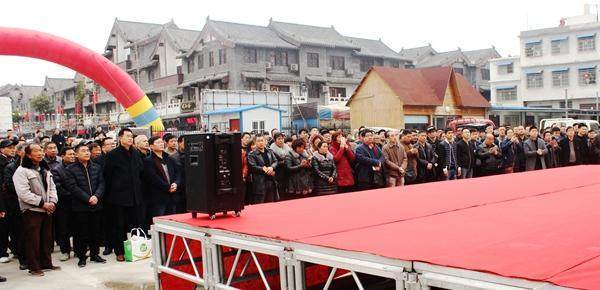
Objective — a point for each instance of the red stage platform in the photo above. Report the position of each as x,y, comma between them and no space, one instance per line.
538,226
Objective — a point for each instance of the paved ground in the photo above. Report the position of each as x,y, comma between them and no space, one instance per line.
112,275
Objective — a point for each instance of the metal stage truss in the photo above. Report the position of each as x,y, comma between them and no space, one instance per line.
206,265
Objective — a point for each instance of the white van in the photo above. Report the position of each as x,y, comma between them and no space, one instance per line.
567,122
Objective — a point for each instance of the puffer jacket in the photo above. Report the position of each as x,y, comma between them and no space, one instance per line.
324,168
84,182
34,186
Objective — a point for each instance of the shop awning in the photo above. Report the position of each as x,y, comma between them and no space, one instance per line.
533,41
254,75
533,71
316,78
504,62
336,111
505,87
588,35
557,69
560,38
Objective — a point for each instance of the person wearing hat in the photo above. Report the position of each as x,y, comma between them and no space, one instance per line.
434,139
7,153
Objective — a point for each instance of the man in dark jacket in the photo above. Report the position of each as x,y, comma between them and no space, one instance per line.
85,181
14,216
434,139
448,160
490,155
369,163
583,146
63,218
161,179
51,155
58,139
7,154
122,174
569,149
508,148
263,164
465,155
426,159
179,158
107,144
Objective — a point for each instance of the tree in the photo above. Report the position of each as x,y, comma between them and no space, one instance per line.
17,116
80,92
41,104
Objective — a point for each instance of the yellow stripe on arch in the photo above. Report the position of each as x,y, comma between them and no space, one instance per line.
139,107
157,125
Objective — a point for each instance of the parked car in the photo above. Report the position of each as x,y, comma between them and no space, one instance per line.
568,122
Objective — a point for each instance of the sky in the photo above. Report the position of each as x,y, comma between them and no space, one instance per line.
447,25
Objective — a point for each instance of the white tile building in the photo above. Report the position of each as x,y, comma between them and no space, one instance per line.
556,64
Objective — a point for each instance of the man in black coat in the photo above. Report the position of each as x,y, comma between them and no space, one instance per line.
85,181
179,158
465,155
7,154
122,174
426,160
570,149
14,216
63,218
161,179
262,164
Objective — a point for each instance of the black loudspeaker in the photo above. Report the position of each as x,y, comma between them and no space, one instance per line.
213,168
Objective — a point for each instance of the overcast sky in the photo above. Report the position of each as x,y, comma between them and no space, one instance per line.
445,24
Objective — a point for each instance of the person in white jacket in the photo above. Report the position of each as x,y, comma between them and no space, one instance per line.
37,199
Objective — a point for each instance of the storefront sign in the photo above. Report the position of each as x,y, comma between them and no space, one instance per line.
188,107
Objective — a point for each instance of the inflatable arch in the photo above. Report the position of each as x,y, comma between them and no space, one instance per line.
34,44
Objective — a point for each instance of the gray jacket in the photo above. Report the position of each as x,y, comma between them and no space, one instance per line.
531,153
30,188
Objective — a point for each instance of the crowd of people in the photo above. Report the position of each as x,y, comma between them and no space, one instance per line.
319,162
84,193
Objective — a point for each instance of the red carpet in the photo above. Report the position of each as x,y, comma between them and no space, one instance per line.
540,226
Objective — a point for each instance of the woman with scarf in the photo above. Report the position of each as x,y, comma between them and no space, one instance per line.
325,173
344,157
281,151
299,169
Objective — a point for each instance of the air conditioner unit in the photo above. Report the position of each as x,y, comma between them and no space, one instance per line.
325,89
294,67
349,72
329,70
268,65
264,87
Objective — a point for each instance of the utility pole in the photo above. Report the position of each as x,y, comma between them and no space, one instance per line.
566,103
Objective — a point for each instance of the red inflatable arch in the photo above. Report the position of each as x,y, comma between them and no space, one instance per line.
34,44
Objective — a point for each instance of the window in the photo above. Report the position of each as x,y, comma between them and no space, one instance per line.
560,46
337,62
222,56
366,64
561,104
279,58
258,126
211,58
280,88
587,43
535,80
337,93
250,55
200,60
560,78
458,70
506,94
533,49
512,120
253,84
505,69
312,59
485,74
190,65
152,74
587,76
395,63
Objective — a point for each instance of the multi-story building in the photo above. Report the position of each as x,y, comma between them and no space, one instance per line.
21,96
315,63
472,64
554,76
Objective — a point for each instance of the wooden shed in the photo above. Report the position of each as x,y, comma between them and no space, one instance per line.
413,98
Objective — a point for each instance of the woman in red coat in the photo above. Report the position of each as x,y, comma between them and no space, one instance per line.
343,157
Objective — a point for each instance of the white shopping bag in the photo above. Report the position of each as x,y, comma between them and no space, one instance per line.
138,246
